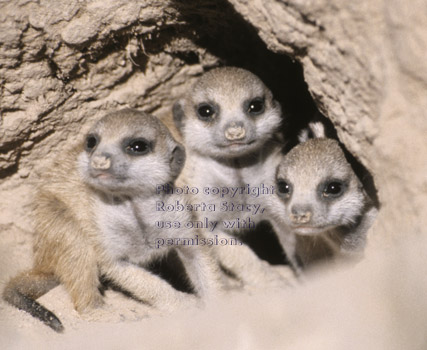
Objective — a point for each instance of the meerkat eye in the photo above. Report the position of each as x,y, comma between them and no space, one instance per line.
205,111
333,189
256,106
137,147
283,188
91,142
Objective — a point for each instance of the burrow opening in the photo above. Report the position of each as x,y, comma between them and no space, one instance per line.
224,33
215,27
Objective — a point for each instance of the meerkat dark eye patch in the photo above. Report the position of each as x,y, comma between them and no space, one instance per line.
256,106
205,111
333,189
137,147
91,142
283,188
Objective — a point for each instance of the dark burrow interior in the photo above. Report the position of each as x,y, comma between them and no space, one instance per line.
220,30
216,27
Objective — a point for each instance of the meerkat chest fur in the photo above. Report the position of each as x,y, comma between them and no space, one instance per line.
124,232
129,227
234,189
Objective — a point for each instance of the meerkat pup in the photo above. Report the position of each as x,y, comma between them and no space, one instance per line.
229,122
95,217
321,202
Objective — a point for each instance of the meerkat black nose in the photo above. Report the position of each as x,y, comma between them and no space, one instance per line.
301,213
235,131
101,161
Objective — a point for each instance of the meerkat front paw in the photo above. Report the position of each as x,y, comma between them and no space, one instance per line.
287,274
272,278
178,301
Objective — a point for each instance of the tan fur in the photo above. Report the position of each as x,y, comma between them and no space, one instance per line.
65,244
72,248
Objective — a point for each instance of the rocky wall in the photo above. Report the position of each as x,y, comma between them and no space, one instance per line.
362,64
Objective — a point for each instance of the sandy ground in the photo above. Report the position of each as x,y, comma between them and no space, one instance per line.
378,304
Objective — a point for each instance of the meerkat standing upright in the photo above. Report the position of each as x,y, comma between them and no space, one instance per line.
96,217
229,122
320,201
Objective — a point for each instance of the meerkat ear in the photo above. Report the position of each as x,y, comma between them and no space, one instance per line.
178,114
278,107
276,104
314,130
177,160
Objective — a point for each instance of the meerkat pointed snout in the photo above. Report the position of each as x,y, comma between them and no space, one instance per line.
228,113
301,214
101,162
235,131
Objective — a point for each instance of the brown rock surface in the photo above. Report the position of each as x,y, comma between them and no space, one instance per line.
364,64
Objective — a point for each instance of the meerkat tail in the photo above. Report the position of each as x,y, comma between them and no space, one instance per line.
23,290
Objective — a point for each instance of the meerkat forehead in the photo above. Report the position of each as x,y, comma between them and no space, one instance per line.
314,159
130,123
229,85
